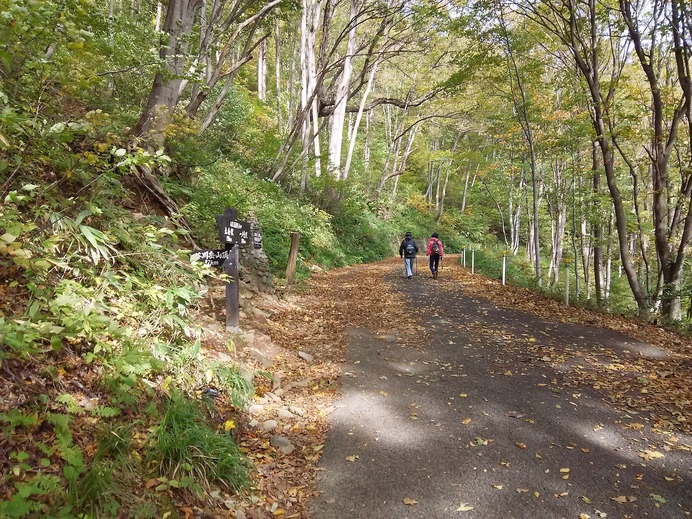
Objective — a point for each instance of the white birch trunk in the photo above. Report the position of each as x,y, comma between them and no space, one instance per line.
262,71
157,23
361,107
336,135
366,152
277,66
313,23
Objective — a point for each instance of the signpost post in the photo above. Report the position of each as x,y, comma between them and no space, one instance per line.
230,267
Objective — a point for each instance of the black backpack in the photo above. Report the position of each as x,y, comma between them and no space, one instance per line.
409,247
435,248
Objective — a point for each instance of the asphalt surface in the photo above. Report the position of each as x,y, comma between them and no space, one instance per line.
459,417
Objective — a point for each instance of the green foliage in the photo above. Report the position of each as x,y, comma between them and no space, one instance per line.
193,453
231,378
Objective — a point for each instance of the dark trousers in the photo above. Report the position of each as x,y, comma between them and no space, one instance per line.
434,263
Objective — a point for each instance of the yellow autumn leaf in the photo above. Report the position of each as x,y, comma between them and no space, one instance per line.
463,395
351,458
464,507
498,487
466,421
564,470
650,455
409,501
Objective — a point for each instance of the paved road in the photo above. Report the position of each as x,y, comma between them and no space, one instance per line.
462,413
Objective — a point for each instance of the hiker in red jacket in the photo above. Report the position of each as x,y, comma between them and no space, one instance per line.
435,252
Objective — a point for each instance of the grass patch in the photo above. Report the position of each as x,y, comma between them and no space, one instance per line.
192,454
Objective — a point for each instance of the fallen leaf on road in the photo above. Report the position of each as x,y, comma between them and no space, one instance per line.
584,449
515,414
565,470
498,487
466,421
522,490
658,499
521,445
584,516
650,455
463,395
351,458
586,500
464,507
624,499
408,501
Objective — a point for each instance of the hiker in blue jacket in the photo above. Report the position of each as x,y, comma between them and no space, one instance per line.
407,250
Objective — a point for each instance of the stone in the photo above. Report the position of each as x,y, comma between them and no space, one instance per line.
269,425
296,410
272,396
260,357
279,392
255,410
239,514
306,356
253,423
279,441
285,414
276,382
287,450
283,444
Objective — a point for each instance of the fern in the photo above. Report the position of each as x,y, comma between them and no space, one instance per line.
15,418
105,411
71,402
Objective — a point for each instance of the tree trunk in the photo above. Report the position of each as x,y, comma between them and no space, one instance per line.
338,115
163,98
277,66
352,143
524,121
597,229
444,192
262,71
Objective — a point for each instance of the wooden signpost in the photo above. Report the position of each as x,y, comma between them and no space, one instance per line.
234,234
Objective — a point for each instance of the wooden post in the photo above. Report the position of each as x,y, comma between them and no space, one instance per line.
230,267
292,257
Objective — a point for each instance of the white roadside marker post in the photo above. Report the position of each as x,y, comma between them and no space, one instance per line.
504,265
473,260
567,281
